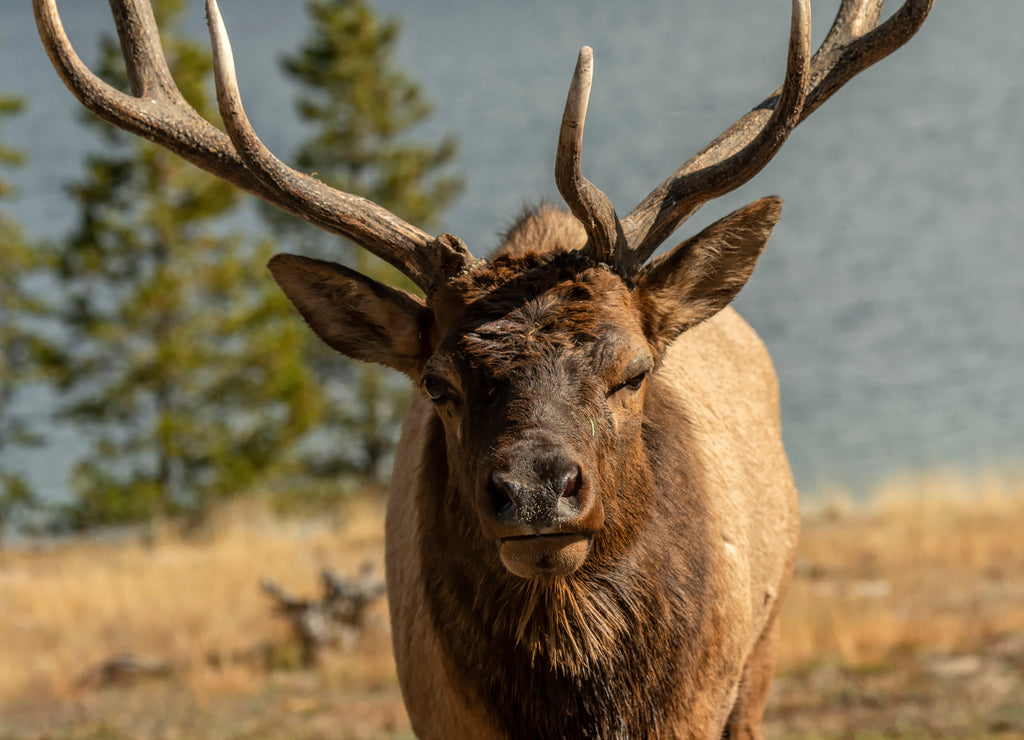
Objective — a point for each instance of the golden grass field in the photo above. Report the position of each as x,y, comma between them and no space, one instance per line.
905,620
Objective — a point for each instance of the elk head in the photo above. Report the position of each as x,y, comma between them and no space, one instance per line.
538,361
537,365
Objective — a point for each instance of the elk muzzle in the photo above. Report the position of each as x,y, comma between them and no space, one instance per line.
541,508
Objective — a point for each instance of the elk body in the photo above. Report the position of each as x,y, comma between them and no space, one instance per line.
592,522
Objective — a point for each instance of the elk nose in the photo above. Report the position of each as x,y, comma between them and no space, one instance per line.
539,493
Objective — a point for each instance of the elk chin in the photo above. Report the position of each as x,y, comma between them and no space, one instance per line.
544,555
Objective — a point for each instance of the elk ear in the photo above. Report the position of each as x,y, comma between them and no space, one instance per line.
699,278
353,314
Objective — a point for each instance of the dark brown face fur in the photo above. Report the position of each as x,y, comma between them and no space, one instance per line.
539,381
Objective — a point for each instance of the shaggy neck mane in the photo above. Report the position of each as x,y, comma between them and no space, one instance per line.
572,623
588,655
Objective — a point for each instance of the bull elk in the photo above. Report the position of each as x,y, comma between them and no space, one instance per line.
592,521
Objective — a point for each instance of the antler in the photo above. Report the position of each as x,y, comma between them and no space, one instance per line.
588,204
854,43
157,111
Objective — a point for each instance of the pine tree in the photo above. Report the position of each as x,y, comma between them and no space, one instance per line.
361,108
19,342
182,363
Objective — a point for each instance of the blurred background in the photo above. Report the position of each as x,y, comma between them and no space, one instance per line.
890,296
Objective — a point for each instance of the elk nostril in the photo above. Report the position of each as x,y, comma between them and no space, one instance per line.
572,485
501,500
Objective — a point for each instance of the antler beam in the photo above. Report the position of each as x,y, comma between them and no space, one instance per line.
157,111
854,43
731,159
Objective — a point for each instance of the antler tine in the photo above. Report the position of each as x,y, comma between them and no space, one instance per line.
853,18
853,44
427,261
144,56
730,160
586,202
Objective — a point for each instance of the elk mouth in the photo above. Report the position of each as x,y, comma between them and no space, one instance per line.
554,554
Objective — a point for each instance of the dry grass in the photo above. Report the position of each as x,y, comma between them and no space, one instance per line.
906,614
931,561
922,583
193,602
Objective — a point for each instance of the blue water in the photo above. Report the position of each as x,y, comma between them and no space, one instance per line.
892,295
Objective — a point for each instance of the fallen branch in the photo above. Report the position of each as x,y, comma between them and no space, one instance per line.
337,618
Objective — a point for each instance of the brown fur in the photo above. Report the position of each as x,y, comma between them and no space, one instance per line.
540,360
544,229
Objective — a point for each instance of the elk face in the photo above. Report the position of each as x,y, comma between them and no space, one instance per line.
538,366
539,382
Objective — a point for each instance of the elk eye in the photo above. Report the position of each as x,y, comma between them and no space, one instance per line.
633,383
437,389
636,380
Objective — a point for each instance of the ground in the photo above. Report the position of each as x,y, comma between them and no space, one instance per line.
905,620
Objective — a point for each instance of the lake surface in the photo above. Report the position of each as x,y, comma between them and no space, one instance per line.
892,294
